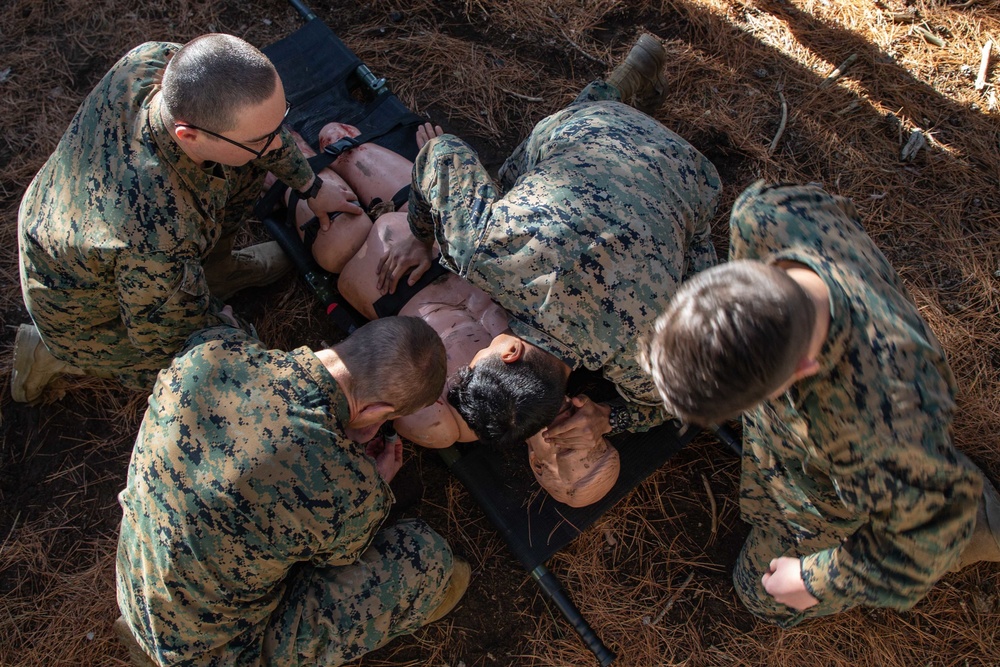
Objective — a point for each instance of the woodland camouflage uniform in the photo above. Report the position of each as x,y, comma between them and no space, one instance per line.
852,469
114,228
600,213
251,529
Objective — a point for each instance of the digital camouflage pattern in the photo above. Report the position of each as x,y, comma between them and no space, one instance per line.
852,469
251,525
599,215
114,228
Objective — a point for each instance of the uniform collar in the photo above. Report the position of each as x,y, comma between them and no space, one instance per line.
202,180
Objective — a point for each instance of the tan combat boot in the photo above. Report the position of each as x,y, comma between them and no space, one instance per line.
640,78
985,542
461,574
136,655
34,366
258,265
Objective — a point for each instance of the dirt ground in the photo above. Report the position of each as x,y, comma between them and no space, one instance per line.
750,90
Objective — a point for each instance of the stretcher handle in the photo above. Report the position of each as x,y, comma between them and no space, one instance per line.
303,10
550,586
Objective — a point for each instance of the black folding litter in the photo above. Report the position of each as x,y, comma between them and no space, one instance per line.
325,81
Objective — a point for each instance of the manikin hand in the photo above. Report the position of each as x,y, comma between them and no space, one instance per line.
783,581
388,454
401,255
583,429
333,197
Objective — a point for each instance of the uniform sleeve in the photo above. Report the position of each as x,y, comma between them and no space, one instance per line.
638,406
288,163
701,252
450,199
162,300
922,512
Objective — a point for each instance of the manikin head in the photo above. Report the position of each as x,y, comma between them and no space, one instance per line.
731,337
223,100
510,391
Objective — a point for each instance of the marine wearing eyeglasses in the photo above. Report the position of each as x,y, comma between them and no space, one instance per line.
126,234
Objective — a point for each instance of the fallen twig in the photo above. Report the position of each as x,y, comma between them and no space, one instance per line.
984,65
770,150
838,72
929,36
522,97
572,43
903,17
711,502
673,598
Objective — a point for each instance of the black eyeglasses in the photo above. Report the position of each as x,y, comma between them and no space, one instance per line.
268,140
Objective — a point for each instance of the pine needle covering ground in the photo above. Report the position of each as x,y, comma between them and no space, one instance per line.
750,88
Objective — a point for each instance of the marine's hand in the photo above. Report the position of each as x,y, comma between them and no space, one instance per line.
426,132
227,314
332,197
583,429
401,255
388,454
783,581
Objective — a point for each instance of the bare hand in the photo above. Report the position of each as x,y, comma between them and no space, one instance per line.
584,428
333,196
783,581
388,454
227,314
426,132
401,255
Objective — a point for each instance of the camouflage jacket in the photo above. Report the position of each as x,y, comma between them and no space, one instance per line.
114,227
240,471
609,213
863,448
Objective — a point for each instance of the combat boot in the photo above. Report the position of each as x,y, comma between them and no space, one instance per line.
640,78
985,542
136,655
461,574
34,366
258,265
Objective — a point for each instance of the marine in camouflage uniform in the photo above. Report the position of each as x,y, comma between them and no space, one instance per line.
251,529
600,213
115,227
851,469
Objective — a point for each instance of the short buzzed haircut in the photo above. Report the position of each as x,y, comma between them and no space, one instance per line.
400,361
213,77
729,338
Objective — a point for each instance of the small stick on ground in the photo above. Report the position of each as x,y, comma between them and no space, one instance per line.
522,97
574,44
984,65
711,503
839,72
770,150
929,36
673,598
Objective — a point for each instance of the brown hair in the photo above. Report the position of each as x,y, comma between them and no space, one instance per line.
396,360
213,77
729,338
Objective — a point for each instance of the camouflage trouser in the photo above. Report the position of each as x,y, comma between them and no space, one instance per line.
774,535
514,166
331,615
92,336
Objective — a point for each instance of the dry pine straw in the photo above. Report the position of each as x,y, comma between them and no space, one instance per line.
473,64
